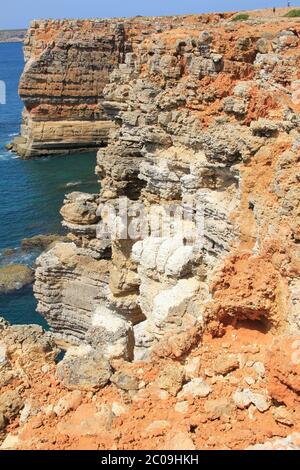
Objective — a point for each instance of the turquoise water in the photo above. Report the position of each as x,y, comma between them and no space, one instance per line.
31,192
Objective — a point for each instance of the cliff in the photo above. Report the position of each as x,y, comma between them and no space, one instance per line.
68,64
180,285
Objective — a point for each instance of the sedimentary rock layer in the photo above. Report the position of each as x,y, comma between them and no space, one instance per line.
185,330
205,118
68,64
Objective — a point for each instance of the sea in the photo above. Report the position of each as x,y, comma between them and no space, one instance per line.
31,191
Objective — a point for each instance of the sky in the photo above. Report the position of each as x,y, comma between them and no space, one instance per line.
18,13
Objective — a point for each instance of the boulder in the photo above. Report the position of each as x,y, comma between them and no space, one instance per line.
171,378
14,277
41,241
10,404
111,334
125,381
84,369
197,388
80,208
225,364
218,408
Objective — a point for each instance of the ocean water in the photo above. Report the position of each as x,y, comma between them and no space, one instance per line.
31,192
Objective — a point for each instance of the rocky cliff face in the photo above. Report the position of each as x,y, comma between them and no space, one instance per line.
68,64
203,117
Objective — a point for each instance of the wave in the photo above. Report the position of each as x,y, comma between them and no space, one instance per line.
19,257
71,184
13,134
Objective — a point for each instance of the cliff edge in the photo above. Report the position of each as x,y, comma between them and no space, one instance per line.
179,292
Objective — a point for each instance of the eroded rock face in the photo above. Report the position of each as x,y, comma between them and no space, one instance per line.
85,402
67,65
205,120
69,285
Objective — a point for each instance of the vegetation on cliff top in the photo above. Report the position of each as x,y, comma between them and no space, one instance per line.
293,13
241,17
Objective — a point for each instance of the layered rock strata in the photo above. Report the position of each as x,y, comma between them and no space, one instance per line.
235,392
180,283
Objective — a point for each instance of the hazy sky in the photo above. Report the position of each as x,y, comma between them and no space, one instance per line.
18,13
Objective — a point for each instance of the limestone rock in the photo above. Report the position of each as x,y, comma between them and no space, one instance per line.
10,404
241,399
29,344
80,208
71,401
111,334
197,388
69,286
41,241
10,442
283,416
191,368
14,277
88,420
188,115
244,398
291,442
259,369
181,407
84,369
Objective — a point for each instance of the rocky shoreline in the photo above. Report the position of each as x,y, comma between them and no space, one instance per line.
184,339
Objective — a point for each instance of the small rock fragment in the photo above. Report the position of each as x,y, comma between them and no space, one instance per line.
125,381
70,401
192,367
182,407
84,369
171,378
218,408
241,399
283,416
197,388
226,363
259,369
180,441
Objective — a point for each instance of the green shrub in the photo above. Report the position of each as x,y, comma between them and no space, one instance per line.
241,17
292,14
